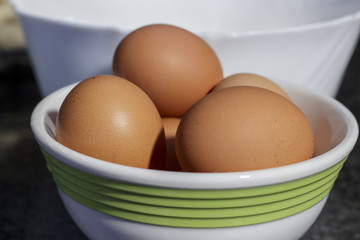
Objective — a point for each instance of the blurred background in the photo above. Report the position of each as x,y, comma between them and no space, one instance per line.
30,207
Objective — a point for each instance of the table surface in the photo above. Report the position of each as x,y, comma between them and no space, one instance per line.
30,207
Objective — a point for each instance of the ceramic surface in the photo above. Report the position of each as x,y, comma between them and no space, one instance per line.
98,226
335,130
334,126
308,42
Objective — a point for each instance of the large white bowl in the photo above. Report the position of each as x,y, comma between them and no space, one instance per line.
308,42
335,130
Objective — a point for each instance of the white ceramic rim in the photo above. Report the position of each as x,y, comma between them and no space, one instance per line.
195,180
305,27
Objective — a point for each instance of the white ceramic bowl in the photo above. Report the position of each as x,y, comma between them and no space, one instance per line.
335,130
308,42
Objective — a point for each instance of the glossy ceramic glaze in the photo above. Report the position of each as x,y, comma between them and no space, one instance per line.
109,227
334,126
306,42
132,203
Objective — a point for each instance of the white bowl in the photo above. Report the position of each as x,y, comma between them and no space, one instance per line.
335,130
308,42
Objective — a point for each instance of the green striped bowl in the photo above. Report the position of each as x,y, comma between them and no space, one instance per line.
166,202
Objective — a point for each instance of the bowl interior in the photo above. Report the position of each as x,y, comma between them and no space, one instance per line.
230,16
335,130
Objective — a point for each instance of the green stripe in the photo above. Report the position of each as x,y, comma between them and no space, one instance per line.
192,207
122,196
191,222
192,193
191,212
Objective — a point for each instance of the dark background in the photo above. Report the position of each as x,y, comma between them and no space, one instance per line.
30,207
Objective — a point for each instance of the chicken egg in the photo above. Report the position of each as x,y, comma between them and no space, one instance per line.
250,79
170,127
240,129
110,118
172,65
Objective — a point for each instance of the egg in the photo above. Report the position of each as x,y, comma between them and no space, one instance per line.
250,79
240,129
173,66
110,118
170,127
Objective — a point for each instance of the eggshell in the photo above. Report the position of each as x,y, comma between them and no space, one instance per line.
172,65
250,79
170,127
240,129
112,119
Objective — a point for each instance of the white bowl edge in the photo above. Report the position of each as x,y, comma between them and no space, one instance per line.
185,179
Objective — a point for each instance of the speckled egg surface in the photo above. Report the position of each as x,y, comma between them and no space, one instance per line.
240,129
112,119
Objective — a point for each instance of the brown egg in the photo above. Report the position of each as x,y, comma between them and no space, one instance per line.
170,127
110,118
240,129
172,65
250,79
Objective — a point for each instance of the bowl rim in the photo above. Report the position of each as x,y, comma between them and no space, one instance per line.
21,11
188,180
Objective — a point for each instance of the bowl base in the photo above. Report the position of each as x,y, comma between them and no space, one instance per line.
96,225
